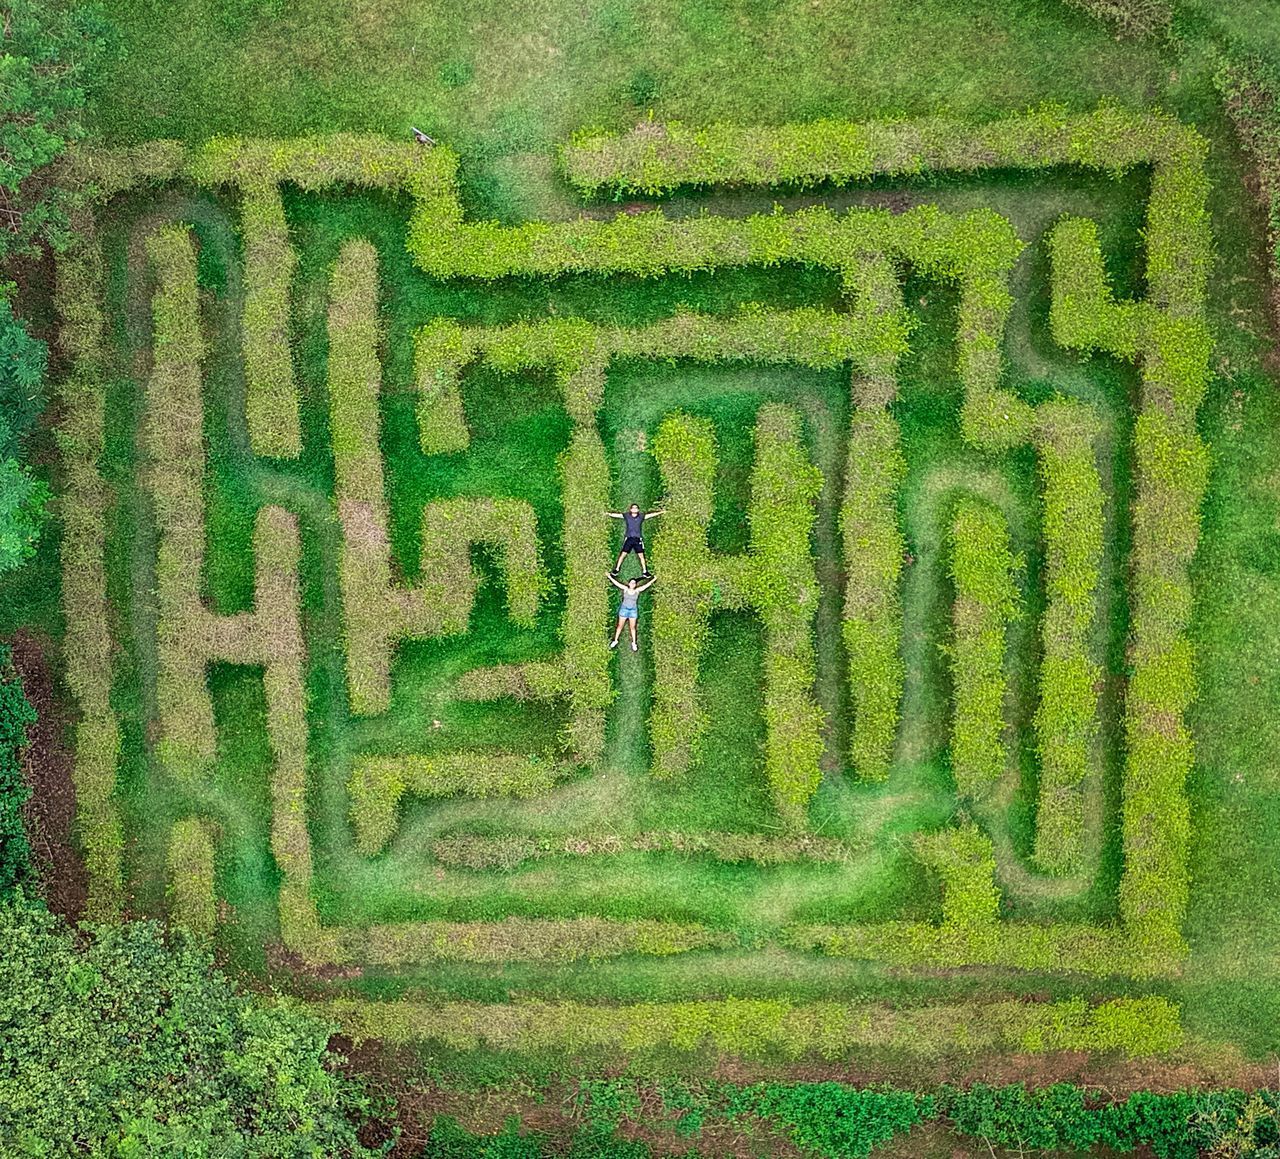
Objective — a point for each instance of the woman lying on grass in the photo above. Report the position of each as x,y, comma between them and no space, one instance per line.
628,610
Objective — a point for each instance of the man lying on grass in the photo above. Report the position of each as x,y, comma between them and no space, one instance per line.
634,518
628,610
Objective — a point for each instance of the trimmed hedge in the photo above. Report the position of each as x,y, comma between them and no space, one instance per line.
872,623
16,716
534,940
440,351
986,600
377,613
769,1027
658,158
378,783
1169,338
685,450
271,395
87,643
965,860
475,851
442,603
1065,717
776,577
1251,93
192,901
173,442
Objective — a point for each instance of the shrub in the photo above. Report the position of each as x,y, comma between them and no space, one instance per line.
53,50
775,577
87,643
831,1119
474,851
1250,92
769,1027
440,351
192,901
134,1045
986,600
1065,716
443,601
173,441
873,550
535,940
23,361
1171,469
378,783
16,716
271,396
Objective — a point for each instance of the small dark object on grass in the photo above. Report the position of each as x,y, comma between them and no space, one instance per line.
421,137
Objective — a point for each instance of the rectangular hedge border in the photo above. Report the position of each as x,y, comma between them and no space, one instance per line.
769,1027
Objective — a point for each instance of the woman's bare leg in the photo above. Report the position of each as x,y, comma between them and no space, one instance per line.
618,630
632,623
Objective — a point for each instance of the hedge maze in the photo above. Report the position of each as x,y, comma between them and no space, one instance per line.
401,598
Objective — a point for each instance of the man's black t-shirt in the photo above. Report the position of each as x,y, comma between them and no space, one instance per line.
635,523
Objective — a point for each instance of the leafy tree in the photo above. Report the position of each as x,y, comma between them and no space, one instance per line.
133,1046
16,714
52,48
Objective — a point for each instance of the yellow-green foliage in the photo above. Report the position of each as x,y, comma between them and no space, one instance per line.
271,398
873,550
985,602
173,440
377,613
440,351
378,783
443,602
87,644
771,1027
657,158
782,585
474,851
315,163
534,940
1063,947
775,577
966,862
1168,337
355,377
1065,716
192,902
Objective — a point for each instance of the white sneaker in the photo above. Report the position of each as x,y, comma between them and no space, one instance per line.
613,643
634,646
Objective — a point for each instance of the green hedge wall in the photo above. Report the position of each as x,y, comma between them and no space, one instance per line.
986,600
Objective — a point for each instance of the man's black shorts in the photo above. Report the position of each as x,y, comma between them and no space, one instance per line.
632,543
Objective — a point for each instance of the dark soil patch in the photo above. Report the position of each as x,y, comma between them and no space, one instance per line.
47,765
